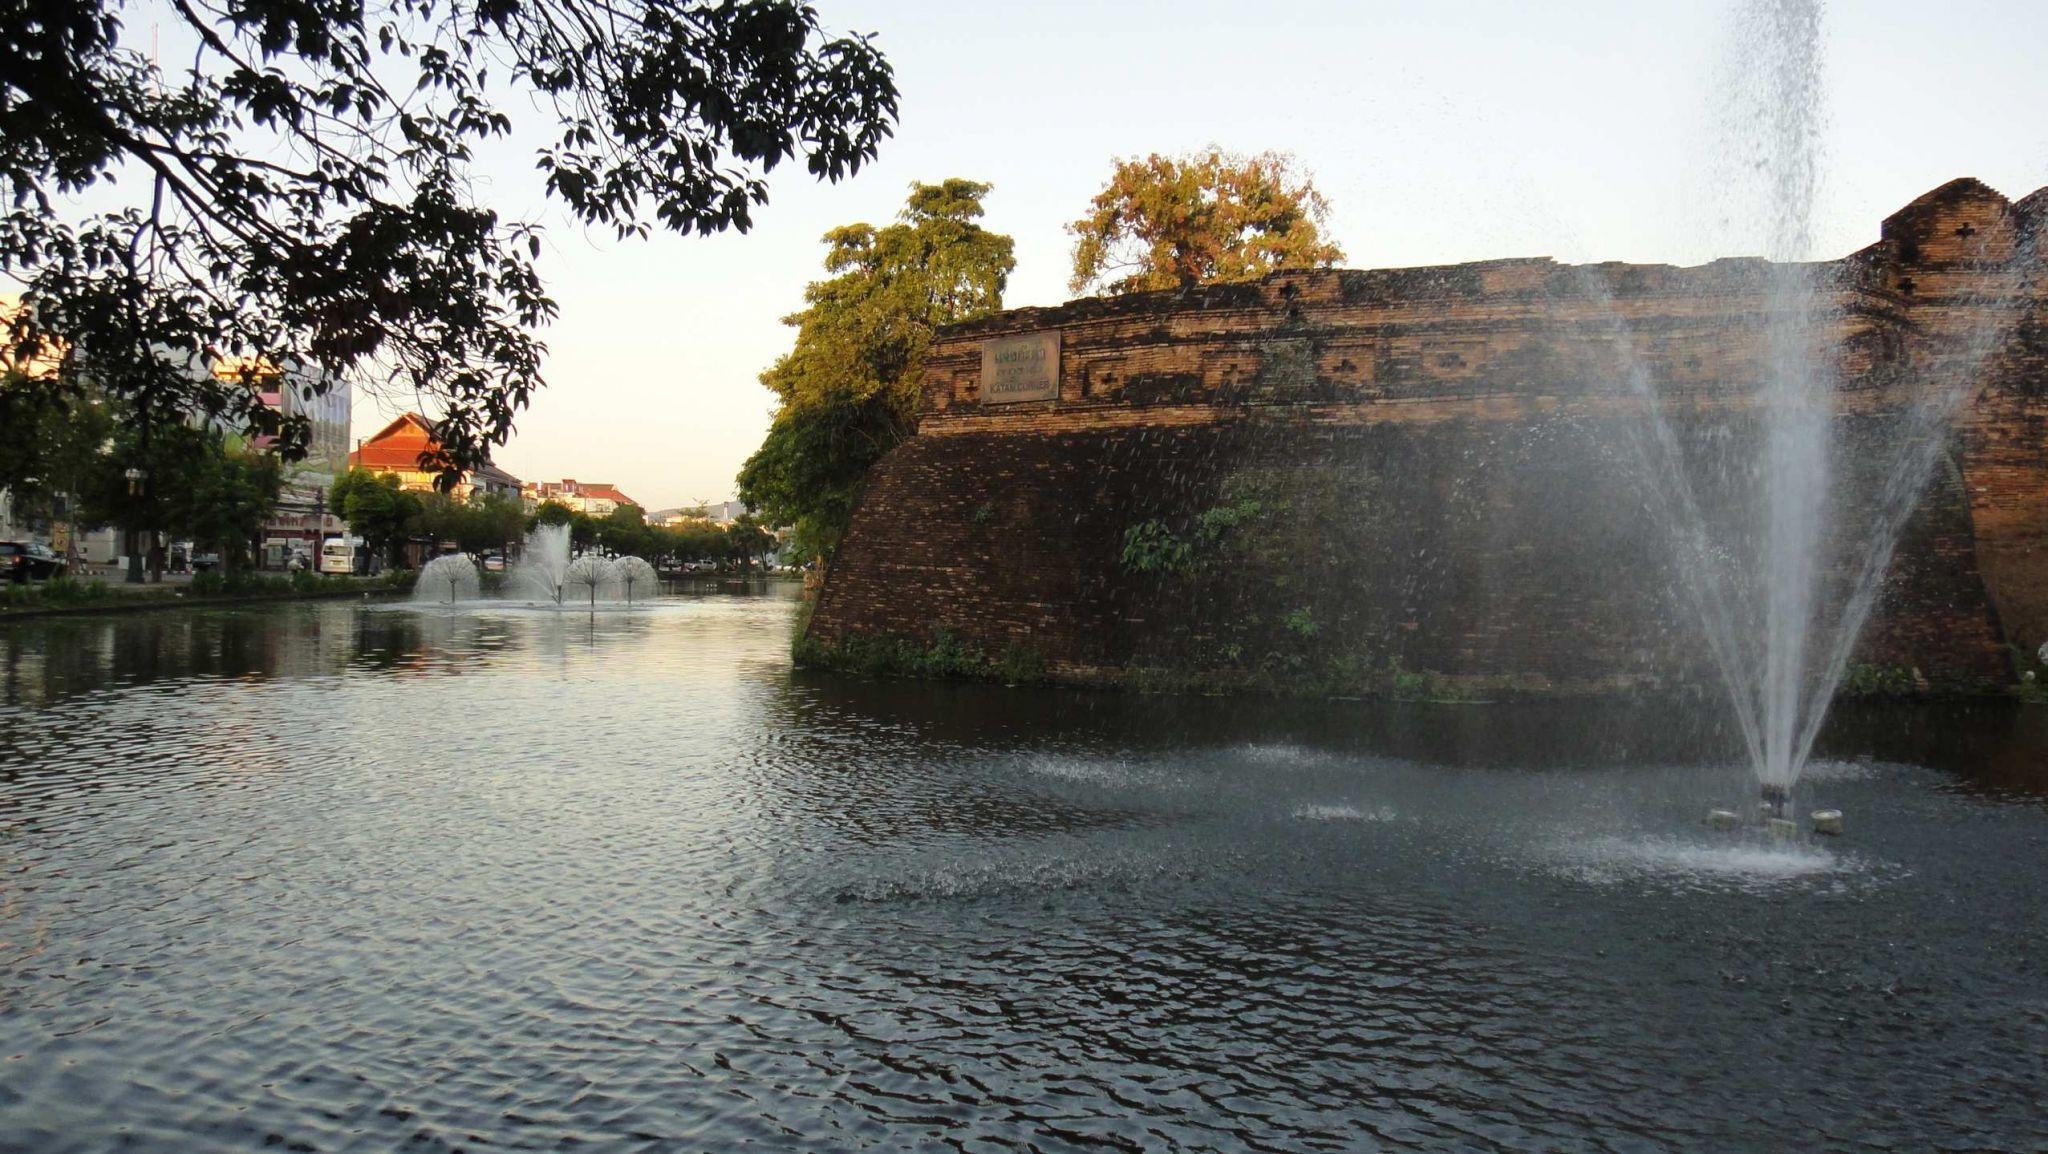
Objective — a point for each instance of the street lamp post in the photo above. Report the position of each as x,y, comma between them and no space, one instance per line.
135,479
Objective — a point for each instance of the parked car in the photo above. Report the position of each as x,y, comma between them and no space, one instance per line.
201,562
494,563
29,561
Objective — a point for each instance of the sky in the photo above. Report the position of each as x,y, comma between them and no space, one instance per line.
1440,131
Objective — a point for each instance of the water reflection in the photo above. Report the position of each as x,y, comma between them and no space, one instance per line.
2000,746
359,878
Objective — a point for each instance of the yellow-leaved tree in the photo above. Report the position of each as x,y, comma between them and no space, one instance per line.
1174,222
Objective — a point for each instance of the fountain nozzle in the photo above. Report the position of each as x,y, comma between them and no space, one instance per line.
1775,798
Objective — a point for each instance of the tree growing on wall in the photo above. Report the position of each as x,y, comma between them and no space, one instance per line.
1175,222
848,388
294,188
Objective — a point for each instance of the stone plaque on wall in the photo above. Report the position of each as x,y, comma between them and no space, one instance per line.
1025,368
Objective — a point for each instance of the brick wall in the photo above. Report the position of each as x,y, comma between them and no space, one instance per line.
1437,472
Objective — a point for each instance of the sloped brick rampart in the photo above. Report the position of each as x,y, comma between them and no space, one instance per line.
1432,476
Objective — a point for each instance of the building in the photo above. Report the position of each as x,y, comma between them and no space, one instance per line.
302,518
593,498
398,447
721,513
726,512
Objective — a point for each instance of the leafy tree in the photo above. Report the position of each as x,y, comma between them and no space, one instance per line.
476,524
848,390
698,541
624,531
745,540
376,509
1175,222
809,471
551,512
49,444
582,531
437,517
490,521
193,483
295,189
225,500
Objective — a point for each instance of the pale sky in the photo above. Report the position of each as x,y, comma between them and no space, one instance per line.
1439,131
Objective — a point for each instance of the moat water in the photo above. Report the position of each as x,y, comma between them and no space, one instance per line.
341,877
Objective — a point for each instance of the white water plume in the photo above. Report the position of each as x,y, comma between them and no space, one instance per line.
1784,590
590,578
447,580
543,564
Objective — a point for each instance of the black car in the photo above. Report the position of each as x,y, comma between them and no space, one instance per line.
28,561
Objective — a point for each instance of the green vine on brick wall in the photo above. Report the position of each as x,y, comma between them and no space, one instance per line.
1861,680
1153,546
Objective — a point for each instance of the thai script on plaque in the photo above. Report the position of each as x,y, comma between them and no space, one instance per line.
1025,368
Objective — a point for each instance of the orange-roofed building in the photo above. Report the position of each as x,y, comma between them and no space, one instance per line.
595,498
398,447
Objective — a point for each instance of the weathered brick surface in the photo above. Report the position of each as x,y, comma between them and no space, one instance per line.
1445,465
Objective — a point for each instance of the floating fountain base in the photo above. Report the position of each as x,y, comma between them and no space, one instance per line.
1723,819
1828,821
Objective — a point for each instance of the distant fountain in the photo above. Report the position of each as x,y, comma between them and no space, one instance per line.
543,564
636,578
447,579
590,576
546,572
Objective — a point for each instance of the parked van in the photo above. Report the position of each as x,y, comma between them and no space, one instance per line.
338,554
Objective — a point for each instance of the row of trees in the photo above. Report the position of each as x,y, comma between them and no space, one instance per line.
624,532
88,461
847,392
387,517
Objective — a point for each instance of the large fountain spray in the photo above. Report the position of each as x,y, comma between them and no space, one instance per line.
543,564
1784,592
1797,403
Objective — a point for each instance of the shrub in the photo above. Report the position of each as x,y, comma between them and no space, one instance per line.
70,591
1861,680
947,655
1153,547
1020,664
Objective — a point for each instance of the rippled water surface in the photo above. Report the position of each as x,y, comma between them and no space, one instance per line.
340,877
